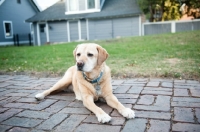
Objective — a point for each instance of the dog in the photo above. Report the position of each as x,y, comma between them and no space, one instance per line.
91,79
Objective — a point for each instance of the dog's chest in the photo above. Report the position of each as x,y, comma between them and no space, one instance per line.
97,88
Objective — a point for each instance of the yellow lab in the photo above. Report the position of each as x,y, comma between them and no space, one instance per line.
91,79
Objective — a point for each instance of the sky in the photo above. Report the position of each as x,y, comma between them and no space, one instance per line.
45,3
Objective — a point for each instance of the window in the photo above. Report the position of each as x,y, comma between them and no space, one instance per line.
81,5
8,29
91,4
42,28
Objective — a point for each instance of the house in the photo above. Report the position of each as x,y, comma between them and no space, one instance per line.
78,20
13,14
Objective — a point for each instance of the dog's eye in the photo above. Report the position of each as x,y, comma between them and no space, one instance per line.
90,55
78,54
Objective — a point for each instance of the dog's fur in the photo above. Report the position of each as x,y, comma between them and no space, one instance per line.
90,58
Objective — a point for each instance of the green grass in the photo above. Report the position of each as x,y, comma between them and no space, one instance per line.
168,55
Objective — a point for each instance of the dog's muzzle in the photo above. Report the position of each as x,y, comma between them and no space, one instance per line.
80,65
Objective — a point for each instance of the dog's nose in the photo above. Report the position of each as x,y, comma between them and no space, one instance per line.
80,65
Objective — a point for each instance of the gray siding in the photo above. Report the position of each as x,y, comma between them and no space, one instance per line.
43,38
58,31
188,26
103,29
10,10
73,29
2,36
126,27
83,30
157,28
183,27
196,25
100,29
112,28
91,29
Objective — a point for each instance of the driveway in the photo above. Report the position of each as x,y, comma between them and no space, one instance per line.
159,104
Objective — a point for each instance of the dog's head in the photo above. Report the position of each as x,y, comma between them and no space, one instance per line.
88,56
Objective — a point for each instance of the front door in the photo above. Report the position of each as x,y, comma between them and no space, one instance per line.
42,30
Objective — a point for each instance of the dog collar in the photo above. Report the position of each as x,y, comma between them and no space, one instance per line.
94,80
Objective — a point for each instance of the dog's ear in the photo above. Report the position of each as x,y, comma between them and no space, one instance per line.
102,55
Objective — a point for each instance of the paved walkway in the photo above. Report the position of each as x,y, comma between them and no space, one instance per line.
160,105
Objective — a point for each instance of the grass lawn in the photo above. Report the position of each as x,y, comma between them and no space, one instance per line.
168,55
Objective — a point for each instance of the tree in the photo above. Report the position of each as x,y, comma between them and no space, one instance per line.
148,6
171,10
194,8
168,9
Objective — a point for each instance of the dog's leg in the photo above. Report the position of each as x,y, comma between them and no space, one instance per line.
76,90
88,102
114,103
63,82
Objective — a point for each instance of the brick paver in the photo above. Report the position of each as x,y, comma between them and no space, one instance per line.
160,105
183,114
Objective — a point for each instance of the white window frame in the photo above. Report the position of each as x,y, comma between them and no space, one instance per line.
96,9
11,36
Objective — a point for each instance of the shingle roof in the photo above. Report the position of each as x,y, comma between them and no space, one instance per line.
35,6
111,8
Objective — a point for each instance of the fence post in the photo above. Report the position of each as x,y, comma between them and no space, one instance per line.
143,29
140,25
29,38
192,25
173,27
17,39
14,39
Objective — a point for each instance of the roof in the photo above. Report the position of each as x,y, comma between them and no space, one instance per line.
35,6
111,8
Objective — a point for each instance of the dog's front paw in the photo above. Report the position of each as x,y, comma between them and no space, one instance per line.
39,96
78,97
103,118
128,113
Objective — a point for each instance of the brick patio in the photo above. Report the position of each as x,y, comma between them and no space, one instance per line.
160,105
